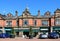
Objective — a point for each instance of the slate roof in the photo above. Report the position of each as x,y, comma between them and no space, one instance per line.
28,15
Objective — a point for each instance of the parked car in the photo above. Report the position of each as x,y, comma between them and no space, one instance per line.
53,35
4,35
43,36
59,34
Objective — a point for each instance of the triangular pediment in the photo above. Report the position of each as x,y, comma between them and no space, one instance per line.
1,17
26,13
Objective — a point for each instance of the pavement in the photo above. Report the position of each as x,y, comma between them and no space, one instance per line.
24,39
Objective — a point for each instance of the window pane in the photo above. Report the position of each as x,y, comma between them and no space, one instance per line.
9,23
57,21
45,22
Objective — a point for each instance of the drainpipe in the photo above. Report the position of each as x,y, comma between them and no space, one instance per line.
18,25
22,26
49,25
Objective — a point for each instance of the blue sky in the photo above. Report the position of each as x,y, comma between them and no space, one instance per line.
7,6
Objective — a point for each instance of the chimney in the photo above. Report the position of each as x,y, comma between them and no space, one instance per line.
16,13
38,12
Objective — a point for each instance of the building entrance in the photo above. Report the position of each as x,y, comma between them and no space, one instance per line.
35,34
9,32
17,34
26,33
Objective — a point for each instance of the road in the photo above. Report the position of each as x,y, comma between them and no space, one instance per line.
23,39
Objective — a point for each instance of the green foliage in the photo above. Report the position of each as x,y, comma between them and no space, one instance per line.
12,31
30,31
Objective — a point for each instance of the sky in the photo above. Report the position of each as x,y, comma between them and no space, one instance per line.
10,6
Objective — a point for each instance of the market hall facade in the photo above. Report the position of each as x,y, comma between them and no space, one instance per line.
21,24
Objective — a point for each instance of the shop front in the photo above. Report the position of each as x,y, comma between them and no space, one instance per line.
44,30
1,30
35,32
56,29
8,30
25,31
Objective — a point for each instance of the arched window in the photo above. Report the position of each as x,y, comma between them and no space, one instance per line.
45,22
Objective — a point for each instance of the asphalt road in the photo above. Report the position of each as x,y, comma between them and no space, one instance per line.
23,39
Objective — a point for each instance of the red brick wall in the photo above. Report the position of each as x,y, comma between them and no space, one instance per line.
2,23
20,22
30,22
52,21
14,24
38,22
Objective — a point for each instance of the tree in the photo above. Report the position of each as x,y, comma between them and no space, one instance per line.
30,32
12,31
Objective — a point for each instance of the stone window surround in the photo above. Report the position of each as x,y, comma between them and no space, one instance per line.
57,21
10,23
45,24
24,21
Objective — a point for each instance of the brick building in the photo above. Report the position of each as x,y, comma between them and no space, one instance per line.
21,23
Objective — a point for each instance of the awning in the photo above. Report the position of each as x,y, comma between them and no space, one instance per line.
0,30
44,29
26,30
8,28
35,30
56,27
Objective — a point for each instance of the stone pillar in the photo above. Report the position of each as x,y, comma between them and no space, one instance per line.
21,33
38,35
3,30
51,29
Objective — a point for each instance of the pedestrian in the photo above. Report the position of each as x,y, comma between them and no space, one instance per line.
23,36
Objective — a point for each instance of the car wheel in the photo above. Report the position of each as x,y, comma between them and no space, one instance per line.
56,38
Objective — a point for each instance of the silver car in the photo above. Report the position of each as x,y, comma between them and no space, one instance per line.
43,36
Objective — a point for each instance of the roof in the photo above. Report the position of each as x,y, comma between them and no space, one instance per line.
27,14
57,11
